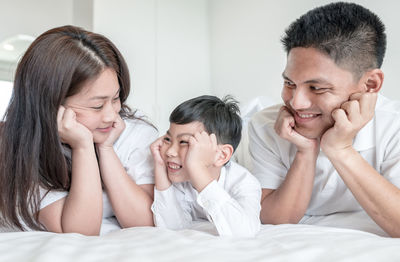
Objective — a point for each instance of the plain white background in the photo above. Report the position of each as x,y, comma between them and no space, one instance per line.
178,49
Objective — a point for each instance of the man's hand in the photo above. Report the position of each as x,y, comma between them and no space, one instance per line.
284,127
200,158
349,119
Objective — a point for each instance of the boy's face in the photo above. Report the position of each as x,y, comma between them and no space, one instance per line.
175,147
313,87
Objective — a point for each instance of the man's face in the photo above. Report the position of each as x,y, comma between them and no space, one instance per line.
313,87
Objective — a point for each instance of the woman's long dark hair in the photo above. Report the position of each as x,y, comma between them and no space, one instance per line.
54,67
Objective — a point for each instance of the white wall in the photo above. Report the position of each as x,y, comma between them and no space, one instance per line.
166,46
178,49
247,58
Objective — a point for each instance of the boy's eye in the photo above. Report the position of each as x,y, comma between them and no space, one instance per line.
115,99
183,142
167,140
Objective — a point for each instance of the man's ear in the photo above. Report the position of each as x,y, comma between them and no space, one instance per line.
225,153
372,81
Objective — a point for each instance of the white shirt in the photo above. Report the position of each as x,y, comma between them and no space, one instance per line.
132,148
232,204
378,143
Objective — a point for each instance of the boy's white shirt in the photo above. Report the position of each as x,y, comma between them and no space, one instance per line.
232,203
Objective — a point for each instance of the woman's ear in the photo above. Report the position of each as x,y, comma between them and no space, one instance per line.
373,80
225,153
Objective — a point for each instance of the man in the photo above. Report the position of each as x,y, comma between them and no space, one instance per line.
329,149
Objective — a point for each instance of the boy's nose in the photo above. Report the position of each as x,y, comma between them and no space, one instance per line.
171,152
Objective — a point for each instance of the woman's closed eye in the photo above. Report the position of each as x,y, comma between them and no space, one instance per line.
97,107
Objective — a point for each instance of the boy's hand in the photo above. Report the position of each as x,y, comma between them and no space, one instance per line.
349,119
284,127
117,129
71,131
201,155
162,181
155,149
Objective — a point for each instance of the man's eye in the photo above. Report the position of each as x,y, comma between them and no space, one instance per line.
97,107
167,140
319,89
289,84
183,142
116,99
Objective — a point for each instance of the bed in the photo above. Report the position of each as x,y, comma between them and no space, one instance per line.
338,237
285,242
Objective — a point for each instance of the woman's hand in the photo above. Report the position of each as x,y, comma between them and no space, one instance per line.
71,131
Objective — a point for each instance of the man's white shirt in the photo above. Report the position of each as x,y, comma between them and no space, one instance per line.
232,203
378,143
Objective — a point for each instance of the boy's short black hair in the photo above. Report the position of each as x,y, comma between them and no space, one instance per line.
350,34
219,117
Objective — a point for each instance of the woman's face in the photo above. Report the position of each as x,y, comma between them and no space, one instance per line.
97,105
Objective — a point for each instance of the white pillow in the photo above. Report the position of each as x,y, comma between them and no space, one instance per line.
242,155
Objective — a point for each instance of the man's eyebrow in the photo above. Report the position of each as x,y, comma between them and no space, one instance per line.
311,81
285,77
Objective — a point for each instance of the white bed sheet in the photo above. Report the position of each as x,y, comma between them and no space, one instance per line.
274,243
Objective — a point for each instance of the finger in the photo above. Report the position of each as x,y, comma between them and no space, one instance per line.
340,118
356,96
69,117
367,104
352,109
193,140
60,113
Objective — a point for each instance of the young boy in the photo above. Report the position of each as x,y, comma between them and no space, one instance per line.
194,179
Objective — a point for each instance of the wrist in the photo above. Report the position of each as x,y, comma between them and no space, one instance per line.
308,155
201,178
338,153
104,148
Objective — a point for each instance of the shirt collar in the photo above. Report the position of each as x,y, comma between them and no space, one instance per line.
365,138
222,175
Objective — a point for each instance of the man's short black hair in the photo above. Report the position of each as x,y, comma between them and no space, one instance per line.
350,34
219,117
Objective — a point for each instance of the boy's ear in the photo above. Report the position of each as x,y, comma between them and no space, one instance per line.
224,155
373,80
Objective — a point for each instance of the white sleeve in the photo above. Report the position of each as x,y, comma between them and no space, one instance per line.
390,166
139,161
50,197
267,164
140,166
233,215
169,211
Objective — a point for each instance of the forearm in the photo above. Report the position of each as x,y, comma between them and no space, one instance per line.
376,195
233,215
161,178
131,204
83,207
289,202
